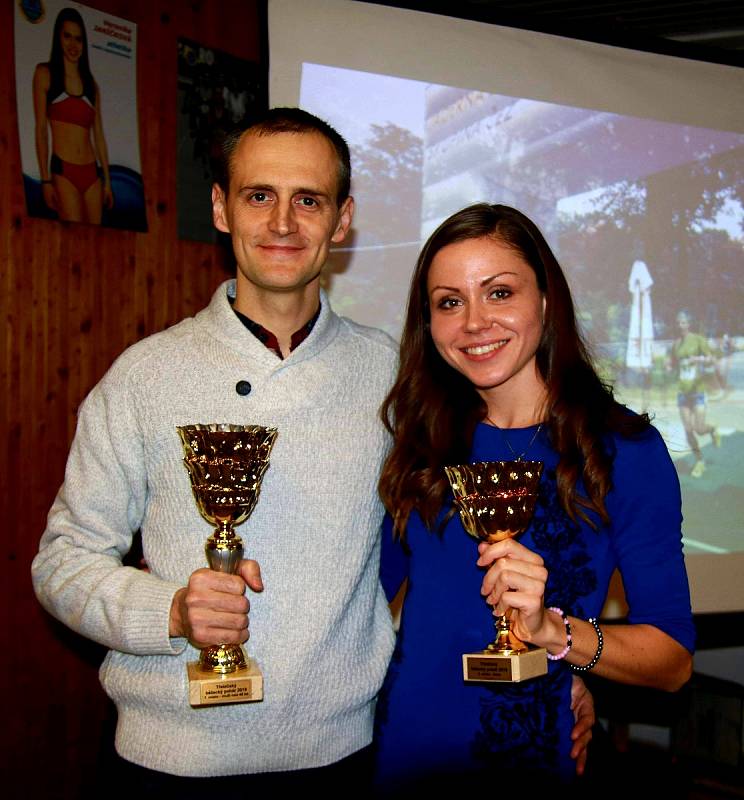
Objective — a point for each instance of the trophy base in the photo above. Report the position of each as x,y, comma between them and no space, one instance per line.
487,667
212,688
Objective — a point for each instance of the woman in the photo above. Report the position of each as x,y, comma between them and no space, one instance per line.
68,101
690,355
493,368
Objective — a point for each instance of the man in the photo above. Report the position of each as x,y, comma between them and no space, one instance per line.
267,350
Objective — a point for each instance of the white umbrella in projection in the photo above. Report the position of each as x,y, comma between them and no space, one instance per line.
641,330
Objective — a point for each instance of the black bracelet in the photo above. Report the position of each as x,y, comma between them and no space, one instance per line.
600,644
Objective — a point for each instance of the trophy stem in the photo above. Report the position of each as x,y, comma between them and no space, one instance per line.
224,551
506,643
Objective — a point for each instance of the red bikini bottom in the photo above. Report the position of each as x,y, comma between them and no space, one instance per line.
81,176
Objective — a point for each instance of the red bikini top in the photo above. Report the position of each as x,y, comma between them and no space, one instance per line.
75,110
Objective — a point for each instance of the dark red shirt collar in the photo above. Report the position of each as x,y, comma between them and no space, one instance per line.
269,339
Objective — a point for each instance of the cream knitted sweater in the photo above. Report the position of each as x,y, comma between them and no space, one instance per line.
320,630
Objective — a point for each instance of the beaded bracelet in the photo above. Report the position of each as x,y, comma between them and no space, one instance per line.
569,641
600,644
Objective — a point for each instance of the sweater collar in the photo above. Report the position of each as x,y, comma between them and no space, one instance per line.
221,322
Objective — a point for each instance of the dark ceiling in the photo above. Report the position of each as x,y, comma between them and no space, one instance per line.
707,29
713,24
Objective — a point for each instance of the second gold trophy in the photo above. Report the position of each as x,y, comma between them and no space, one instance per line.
496,500
226,464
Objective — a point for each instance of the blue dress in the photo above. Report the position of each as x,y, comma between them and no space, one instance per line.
430,723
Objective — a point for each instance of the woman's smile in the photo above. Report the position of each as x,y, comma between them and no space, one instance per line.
478,350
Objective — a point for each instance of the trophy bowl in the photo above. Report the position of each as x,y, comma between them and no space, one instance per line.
226,491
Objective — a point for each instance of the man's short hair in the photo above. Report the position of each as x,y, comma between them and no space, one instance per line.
286,120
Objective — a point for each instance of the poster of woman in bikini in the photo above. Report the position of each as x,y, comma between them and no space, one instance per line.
77,114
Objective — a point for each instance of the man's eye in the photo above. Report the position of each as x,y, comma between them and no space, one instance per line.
259,197
307,202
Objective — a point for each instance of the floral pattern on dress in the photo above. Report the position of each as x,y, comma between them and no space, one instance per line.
519,722
519,725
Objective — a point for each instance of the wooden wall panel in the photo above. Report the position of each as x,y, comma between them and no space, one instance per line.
72,297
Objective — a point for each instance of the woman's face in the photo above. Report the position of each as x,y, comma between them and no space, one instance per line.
71,39
683,321
487,315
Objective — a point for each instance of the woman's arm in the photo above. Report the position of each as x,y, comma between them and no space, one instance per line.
41,133
641,655
101,151
654,650
636,654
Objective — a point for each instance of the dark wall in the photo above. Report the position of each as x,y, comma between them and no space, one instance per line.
72,298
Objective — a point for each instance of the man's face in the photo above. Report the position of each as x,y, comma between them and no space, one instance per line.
281,211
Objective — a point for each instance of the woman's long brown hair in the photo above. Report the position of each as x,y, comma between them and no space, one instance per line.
432,410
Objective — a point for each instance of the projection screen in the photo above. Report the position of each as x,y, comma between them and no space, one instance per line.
632,164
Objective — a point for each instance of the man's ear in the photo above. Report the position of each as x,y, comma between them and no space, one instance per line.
345,217
219,209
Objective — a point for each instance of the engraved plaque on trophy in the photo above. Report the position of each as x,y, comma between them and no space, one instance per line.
226,464
496,500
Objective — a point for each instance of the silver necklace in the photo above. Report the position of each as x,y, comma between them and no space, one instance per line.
508,443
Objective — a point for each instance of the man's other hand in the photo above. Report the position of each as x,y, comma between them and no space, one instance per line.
582,705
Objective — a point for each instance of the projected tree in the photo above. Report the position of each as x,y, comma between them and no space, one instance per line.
386,185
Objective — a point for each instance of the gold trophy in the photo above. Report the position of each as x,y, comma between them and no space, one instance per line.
226,464
496,500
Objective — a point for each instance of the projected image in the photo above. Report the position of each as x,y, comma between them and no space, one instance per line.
646,217
368,277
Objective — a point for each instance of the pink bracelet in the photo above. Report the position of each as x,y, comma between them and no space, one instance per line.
569,641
